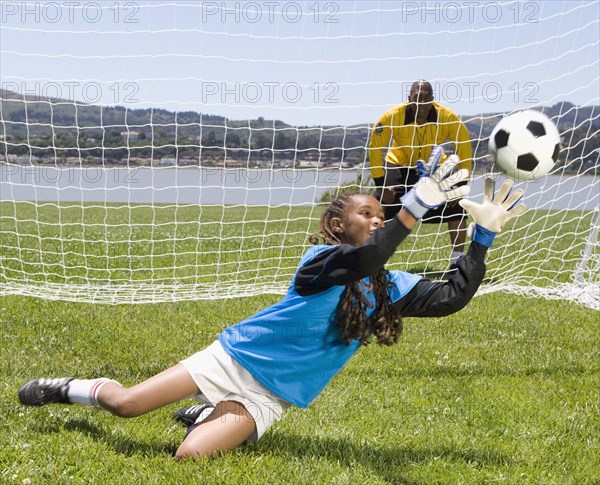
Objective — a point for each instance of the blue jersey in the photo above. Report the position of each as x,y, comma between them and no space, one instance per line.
294,348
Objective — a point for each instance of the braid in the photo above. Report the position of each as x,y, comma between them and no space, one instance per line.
386,323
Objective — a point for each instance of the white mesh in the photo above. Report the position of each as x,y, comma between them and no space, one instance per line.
235,120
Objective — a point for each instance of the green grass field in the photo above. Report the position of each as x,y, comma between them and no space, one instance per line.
118,249
507,390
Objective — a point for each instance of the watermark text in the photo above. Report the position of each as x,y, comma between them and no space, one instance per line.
69,12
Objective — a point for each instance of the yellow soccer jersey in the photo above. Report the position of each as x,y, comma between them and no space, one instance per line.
411,142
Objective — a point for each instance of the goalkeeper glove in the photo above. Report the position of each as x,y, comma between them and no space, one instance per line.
494,212
436,184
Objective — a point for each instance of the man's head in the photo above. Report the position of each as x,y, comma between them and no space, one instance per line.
421,98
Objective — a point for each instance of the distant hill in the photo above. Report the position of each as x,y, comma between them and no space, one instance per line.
62,128
566,115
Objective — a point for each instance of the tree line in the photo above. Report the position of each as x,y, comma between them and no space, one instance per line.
60,129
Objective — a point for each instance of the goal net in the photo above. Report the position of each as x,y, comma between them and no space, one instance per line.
166,151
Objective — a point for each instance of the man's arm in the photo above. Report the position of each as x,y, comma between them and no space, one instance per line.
381,134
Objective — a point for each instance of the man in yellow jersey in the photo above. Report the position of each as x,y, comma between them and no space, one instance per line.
414,128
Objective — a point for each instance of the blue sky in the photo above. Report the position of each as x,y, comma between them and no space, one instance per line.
305,63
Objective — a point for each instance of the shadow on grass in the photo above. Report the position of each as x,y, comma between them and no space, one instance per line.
119,442
389,462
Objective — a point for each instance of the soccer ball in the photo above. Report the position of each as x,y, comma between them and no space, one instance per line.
525,145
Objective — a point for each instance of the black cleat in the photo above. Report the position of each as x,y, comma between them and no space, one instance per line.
190,414
45,391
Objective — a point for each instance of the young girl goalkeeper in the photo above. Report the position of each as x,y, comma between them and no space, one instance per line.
340,298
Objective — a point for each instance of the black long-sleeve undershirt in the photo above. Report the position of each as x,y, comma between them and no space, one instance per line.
344,264
440,298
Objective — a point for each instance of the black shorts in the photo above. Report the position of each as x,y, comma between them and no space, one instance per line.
405,179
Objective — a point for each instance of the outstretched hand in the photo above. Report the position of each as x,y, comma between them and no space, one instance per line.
437,184
496,211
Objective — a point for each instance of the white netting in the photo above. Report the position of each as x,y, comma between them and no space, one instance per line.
157,151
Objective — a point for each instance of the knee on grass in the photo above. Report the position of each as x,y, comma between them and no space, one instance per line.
226,428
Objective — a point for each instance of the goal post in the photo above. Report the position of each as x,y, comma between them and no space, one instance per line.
589,261
154,152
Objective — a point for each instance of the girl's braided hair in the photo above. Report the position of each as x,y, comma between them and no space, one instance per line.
386,323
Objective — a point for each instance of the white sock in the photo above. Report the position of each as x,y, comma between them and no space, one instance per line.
455,255
85,391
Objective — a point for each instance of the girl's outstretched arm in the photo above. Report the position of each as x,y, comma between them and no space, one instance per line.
437,299
429,299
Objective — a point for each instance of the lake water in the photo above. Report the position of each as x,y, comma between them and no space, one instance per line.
192,185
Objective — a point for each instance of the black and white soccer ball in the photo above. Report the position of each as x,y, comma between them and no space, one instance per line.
525,145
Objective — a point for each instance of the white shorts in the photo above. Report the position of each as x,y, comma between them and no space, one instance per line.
221,378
